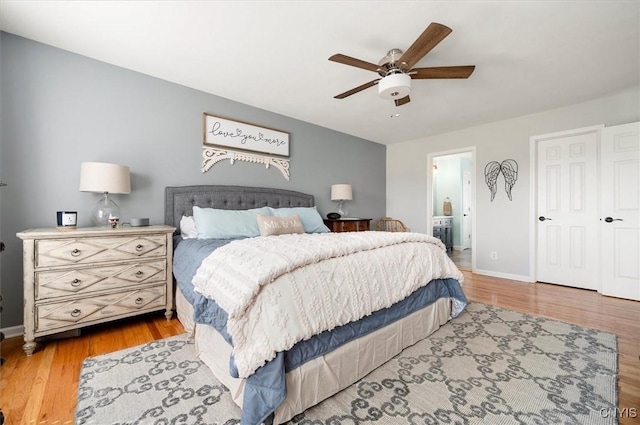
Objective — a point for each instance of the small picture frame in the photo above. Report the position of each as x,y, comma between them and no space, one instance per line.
67,220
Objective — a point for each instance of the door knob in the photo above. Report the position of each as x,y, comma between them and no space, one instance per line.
610,219
543,218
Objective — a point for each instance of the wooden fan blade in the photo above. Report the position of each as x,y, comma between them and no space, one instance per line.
357,89
442,72
348,60
404,100
429,39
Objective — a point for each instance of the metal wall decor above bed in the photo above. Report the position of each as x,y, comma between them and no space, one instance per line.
211,156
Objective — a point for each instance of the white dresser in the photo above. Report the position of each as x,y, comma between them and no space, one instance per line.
75,278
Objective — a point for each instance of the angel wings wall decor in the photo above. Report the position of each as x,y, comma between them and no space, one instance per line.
508,168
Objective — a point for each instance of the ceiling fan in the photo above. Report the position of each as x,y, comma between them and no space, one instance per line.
396,68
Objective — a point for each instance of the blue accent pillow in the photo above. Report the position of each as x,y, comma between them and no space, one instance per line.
213,223
310,217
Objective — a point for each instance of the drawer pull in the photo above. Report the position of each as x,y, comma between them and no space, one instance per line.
75,283
75,252
75,313
139,247
139,300
139,273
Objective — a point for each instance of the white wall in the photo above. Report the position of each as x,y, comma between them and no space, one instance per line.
501,225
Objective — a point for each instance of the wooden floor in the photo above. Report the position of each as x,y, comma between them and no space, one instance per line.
41,389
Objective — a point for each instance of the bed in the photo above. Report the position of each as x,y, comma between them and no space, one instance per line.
306,349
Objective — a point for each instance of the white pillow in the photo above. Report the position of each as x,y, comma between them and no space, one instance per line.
270,225
188,227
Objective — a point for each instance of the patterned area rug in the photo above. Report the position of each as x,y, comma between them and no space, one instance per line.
488,366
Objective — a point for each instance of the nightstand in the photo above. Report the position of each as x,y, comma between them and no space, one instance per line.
348,224
81,277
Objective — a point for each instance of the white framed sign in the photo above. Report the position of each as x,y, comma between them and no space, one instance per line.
227,133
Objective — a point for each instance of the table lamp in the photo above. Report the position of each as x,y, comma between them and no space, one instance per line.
341,193
105,178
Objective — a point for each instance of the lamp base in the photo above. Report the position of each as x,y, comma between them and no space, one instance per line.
106,213
342,209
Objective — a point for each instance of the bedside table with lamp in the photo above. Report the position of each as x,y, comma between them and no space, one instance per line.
344,223
76,277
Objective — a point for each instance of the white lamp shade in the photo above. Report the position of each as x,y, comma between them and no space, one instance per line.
341,192
104,177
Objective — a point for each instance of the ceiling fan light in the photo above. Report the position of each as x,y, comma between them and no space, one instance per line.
394,86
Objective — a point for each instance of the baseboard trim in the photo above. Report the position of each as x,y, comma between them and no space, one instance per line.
504,275
13,331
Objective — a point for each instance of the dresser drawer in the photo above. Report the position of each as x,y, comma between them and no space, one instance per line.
348,225
362,225
59,252
443,220
98,309
87,280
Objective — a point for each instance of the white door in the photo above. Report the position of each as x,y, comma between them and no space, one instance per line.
567,208
466,210
620,211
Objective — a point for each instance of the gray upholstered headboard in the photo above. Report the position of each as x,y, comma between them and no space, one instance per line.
180,200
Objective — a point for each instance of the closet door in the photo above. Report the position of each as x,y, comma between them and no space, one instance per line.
620,211
567,208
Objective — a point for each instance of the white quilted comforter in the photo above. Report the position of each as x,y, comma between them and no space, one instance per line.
279,290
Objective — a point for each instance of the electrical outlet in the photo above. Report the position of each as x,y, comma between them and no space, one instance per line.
494,255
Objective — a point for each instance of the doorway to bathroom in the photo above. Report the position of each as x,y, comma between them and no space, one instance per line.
451,209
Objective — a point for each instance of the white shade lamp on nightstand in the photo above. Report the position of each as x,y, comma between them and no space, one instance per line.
341,193
105,178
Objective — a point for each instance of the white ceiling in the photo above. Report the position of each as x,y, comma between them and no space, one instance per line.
530,56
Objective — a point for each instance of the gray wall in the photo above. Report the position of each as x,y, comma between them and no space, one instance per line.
60,109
